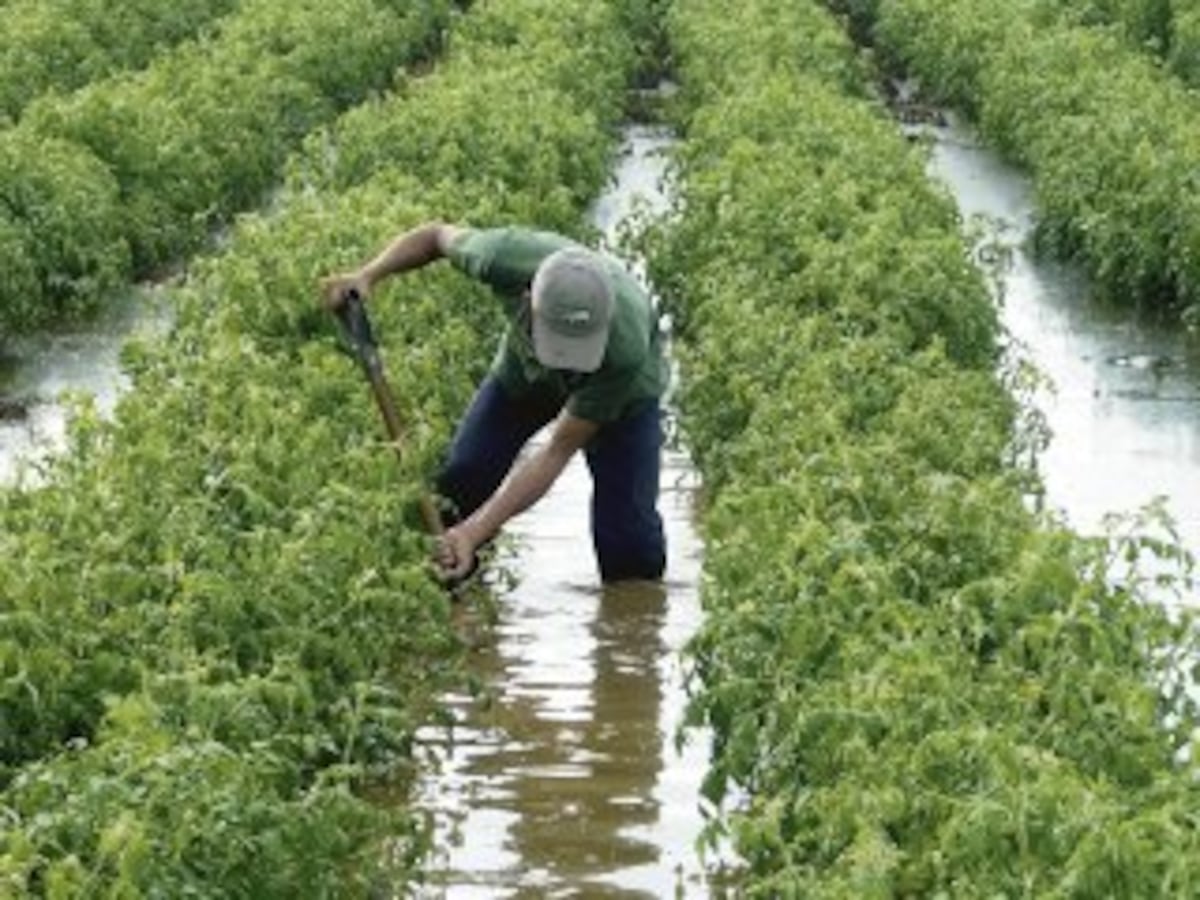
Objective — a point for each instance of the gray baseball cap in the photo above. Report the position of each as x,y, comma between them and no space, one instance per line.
573,302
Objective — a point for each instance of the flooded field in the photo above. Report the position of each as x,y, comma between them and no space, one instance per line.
564,778
1123,403
568,782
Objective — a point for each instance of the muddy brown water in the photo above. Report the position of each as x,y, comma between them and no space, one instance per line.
569,782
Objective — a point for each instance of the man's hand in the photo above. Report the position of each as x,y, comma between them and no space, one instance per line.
456,552
410,250
336,288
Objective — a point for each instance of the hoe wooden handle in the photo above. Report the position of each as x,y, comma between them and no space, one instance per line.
352,314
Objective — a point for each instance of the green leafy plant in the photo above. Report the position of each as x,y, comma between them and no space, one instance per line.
917,685
198,135
64,44
218,624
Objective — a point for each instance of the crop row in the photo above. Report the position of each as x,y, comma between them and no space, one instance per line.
218,618
919,686
64,44
130,173
1169,29
1110,140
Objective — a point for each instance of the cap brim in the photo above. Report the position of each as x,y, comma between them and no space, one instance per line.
577,354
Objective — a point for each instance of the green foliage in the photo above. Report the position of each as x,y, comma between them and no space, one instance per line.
645,22
64,229
218,622
64,44
40,50
453,127
916,686
1185,42
797,38
21,274
1145,24
204,131
206,821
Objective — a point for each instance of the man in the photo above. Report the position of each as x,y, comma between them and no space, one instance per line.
582,349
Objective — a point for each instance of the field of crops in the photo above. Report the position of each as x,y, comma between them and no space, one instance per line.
926,689
217,627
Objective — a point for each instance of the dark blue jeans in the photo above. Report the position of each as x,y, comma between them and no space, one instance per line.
624,459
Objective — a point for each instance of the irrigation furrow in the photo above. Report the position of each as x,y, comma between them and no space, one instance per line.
1110,140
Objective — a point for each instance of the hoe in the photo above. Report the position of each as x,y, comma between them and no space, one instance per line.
356,328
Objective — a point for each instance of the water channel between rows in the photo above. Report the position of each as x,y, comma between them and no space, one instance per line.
569,783
1123,403
37,372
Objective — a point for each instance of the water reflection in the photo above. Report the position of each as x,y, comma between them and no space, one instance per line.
582,787
568,782
579,769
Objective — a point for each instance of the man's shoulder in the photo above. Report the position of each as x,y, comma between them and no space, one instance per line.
512,238
505,257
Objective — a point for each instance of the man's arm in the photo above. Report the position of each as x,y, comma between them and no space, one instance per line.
411,250
407,251
525,485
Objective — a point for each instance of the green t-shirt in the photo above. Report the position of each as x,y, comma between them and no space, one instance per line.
633,369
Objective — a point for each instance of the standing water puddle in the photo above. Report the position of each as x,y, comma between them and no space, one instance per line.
569,783
1124,407
36,371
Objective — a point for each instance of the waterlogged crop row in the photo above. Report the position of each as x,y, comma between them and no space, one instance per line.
919,688
63,44
1112,142
218,619
132,172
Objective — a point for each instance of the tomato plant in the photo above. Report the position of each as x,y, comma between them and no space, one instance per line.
198,135
63,44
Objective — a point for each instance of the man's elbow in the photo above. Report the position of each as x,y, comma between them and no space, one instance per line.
570,434
444,234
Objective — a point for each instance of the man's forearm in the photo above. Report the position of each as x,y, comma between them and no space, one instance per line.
411,250
526,485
